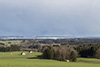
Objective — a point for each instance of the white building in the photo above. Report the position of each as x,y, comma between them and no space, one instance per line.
23,53
55,44
30,51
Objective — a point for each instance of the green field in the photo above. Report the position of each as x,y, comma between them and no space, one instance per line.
13,42
14,59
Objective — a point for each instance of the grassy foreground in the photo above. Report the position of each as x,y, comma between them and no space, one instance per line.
14,59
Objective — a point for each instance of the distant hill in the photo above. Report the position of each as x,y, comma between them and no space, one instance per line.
44,37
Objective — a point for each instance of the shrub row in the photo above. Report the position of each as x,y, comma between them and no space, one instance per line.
62,53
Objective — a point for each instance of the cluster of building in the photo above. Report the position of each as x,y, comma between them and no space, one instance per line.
23,53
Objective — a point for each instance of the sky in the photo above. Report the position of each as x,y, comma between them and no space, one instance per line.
50,18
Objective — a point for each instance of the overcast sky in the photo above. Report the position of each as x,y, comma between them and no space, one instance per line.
50,17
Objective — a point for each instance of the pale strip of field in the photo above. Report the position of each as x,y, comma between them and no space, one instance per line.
11,42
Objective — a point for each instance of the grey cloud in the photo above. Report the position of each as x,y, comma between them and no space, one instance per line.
50,17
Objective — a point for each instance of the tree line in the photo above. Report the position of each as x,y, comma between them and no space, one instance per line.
62,53
11,48
89,51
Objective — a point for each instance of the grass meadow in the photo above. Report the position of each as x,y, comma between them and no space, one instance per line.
15,59
10,42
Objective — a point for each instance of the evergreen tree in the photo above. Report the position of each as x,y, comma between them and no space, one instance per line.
73,56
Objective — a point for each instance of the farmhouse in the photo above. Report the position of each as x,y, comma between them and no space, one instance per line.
30,51
55,44
23,53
